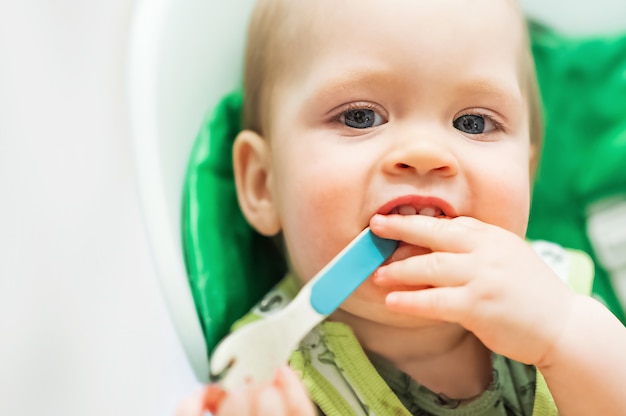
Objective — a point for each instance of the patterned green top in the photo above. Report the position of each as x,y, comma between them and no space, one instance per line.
512,391
343,380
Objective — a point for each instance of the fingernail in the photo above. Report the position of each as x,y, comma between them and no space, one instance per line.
379,275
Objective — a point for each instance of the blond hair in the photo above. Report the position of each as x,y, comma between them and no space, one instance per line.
268,37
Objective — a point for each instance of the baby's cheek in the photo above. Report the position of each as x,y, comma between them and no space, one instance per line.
510,210
312,248
317,232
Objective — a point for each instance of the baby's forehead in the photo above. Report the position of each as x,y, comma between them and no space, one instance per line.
309,27
299,27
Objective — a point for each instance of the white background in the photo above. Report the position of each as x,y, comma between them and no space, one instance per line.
83,327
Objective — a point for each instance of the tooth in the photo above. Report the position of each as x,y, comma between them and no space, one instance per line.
407,210
428,211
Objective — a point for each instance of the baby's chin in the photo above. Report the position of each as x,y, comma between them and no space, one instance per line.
379,315
368,303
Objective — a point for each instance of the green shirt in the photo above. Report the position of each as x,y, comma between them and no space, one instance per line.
511,392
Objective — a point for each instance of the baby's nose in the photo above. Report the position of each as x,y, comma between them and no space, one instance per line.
421,157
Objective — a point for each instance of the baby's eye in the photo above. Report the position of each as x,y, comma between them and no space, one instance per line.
473,124
361,118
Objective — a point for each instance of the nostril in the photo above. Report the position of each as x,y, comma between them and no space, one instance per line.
403,166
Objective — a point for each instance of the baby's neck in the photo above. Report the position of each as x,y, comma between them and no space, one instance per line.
445,358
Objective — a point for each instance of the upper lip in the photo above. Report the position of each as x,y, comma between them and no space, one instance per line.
418,202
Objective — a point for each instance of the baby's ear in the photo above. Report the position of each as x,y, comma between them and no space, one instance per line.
251,164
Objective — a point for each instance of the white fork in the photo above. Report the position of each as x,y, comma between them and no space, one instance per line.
254,352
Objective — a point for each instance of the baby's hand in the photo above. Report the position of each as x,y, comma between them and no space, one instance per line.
284,396
482,277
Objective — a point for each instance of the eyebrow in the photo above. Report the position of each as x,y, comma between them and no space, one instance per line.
511,92
354,80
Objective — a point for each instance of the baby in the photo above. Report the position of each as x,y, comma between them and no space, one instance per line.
421,120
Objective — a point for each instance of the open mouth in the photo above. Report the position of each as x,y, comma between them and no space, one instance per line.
417,205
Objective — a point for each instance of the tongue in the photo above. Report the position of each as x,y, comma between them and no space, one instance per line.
405,250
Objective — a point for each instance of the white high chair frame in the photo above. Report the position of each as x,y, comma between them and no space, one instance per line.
184,55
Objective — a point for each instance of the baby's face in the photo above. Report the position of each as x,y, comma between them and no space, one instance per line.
407,107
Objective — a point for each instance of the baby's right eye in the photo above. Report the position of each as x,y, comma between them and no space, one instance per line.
361,118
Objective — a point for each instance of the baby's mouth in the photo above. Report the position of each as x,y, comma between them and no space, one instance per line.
426,208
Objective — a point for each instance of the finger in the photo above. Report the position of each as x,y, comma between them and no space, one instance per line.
269,401
438,234
296,398
442,304
431,269
191,406
237,402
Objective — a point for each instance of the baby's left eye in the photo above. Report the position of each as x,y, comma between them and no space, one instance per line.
473,124
361,118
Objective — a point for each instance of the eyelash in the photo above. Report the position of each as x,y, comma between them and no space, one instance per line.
498,125
358,106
